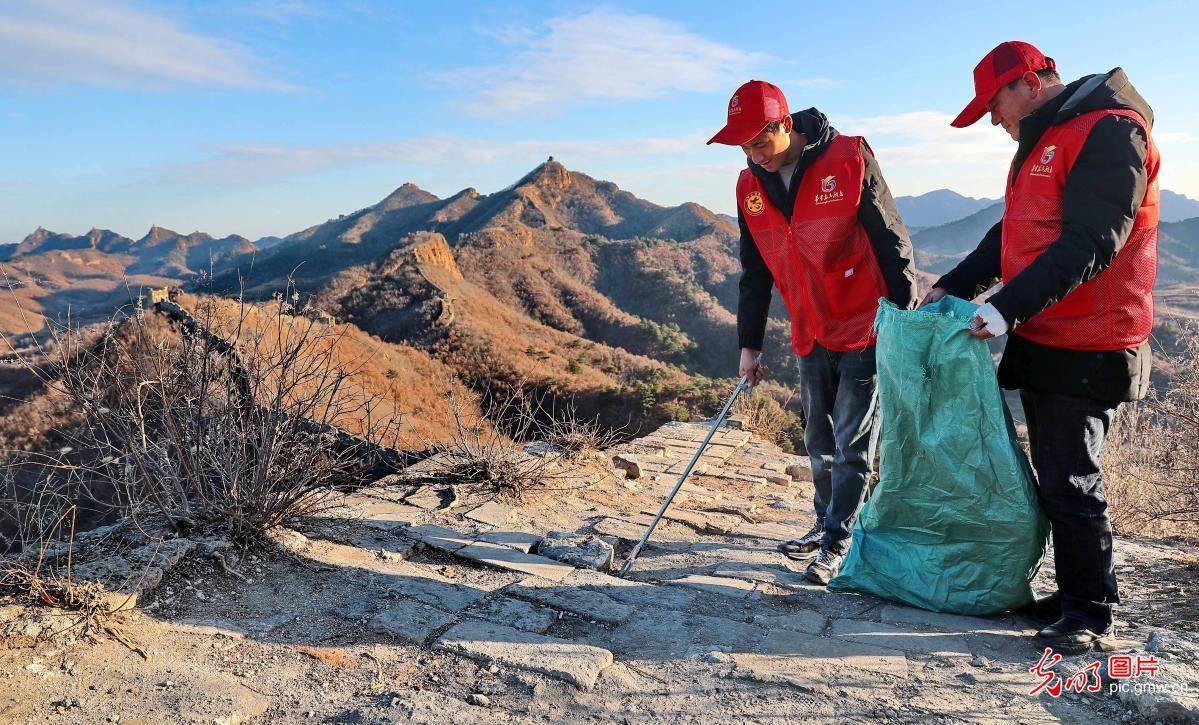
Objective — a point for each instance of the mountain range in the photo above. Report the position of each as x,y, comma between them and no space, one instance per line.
571,252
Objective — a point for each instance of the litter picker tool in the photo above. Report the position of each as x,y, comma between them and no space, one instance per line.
743,385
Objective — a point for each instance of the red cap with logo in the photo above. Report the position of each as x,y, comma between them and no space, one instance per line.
1007,62
752,106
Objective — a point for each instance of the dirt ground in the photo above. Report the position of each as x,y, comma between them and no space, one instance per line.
321,628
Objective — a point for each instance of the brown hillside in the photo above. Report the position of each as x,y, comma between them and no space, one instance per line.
400,377
416,295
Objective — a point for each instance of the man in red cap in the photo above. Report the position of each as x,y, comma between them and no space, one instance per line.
818,222
1077,252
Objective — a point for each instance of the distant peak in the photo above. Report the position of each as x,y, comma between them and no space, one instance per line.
408,194
551,173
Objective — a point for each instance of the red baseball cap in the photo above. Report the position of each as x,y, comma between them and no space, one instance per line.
1007,62
752,106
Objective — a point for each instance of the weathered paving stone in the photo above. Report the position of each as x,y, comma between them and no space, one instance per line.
519,540
491,513
771,531
799,472
381,514
804,620
900,615
655,634
164,554
761,573
515,613
441,594
583,551
716,585
410,621
508,558
578,664
898,638
632,532
637,594
629,463
713,523
801,659
430,498
1171,694
583,602
439,537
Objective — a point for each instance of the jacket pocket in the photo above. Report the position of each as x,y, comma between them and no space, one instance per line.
849,287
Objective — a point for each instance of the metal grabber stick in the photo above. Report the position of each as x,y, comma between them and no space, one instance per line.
742,385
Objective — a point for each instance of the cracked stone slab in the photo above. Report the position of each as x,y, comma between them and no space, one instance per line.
578,664
519,540
635,593
702,521
410,621
508,558
439,537
761,573
515,613
583,602
491,513
716,585
797,658
441,594
898,638
632,532
806,621
658,634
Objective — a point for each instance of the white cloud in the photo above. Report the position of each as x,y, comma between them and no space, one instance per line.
600,55
113,44
919,151
252,164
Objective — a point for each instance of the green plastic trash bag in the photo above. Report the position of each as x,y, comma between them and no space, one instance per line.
954,524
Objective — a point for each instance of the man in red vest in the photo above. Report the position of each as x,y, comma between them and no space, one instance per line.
818,222
1077,252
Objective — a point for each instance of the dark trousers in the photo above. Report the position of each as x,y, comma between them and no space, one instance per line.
839,394
1066,435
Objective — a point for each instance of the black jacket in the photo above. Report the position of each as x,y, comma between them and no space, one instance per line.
1103,191
877,212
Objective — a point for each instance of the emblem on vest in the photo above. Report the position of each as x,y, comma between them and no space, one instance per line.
1044,167
828,191
754,204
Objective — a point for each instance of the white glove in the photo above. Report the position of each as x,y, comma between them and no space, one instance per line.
994,322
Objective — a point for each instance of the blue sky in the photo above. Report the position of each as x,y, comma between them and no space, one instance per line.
263,117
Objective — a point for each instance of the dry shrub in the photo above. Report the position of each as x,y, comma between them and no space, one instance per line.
526,441
488,459
1151,460
766,417
231,432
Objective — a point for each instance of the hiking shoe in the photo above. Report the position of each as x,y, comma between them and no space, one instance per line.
825,566
806,545
1074,637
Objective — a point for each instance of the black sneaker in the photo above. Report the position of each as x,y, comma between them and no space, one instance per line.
806,545
826,565
1074,637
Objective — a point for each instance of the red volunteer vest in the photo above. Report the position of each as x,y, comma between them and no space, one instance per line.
822,261
1113,310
